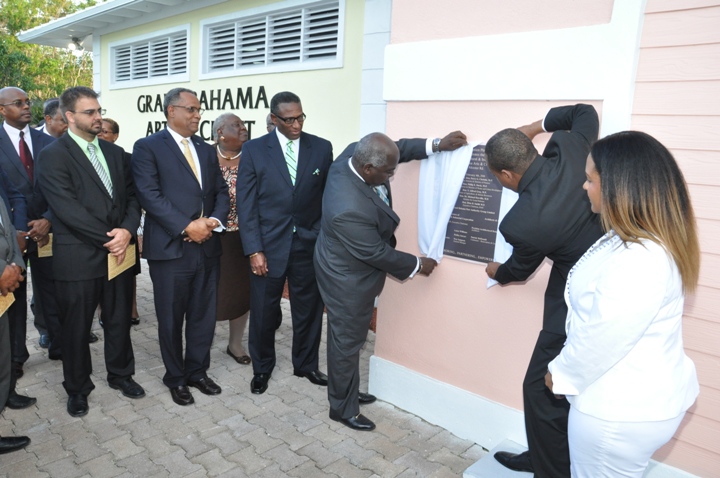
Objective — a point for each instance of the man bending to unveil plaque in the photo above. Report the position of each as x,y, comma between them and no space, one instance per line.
354,252
550,219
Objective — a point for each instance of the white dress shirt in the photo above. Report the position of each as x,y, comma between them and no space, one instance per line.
14,135
623,359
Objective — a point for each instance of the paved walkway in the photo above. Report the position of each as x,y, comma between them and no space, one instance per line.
283,432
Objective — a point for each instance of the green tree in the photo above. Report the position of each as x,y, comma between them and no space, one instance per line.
42,71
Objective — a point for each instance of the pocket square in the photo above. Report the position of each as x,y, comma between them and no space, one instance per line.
316,172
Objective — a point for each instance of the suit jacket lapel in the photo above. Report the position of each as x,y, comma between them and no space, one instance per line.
276,155
9,149
304,156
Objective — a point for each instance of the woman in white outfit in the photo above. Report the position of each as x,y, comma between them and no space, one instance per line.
623,368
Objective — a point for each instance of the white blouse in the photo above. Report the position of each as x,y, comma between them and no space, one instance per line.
623,359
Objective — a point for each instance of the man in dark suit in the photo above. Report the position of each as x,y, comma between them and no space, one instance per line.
55,124
14,202
280,183
354,252
185,198
551,218
19,145
11,265
89,188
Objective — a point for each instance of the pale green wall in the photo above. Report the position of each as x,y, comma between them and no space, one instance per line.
331,98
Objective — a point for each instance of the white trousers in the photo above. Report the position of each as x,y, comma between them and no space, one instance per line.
602,449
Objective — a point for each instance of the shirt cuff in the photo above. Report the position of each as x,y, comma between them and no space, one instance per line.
543,121
428,147
220,228
417,268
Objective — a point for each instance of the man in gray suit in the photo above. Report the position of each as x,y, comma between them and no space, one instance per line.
353,254
11,269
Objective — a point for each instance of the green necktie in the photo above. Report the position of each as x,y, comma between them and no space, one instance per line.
291,161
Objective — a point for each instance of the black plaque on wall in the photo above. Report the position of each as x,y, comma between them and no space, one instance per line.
473,225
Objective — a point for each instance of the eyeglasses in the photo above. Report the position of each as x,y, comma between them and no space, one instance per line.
191,109
99,111
289,121
18,103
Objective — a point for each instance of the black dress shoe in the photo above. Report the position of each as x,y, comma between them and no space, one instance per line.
259,383
18,368
93,338
206,386
515,461
365,398
359,422
134,321
316,377
55,356
18,402
10,444
181,395
129,387
44,341
77,405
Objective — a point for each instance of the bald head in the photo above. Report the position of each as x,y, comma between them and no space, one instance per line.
375,158
15,107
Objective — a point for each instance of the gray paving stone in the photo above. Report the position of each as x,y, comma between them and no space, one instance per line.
309,470
214,463
346,469
285,458
140,465
226,443
352,451
177,464
66,468
122,447
388,449
249,460
320,455
158,446
380,466
417,462
24,468
283,432
192,444
456,463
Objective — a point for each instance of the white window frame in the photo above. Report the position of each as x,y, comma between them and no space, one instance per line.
159,80
274,9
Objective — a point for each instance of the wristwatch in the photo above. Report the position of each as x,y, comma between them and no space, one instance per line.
436,145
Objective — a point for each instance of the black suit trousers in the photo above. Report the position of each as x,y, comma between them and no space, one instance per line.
43,285
185,291
546,417
306,307
17,318
77,302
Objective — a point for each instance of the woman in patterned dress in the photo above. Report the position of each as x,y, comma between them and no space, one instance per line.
233,298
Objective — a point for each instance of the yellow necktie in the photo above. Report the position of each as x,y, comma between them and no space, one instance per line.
189,158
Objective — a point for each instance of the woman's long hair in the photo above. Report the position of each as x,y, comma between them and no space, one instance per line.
644,196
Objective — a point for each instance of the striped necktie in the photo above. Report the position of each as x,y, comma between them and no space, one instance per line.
291,161
382,192
100,169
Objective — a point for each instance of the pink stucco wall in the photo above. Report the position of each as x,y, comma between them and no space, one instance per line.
448,326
